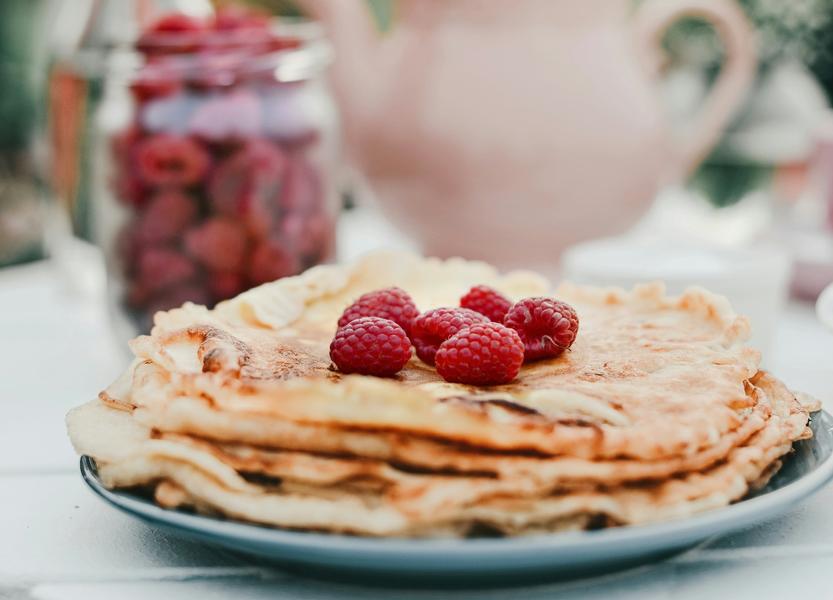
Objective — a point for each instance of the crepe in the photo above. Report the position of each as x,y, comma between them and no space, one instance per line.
658,411
419,504
649,376
287,439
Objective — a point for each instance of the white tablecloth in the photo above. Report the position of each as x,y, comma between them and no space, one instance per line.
58,541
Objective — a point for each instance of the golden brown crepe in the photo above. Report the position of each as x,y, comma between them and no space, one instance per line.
659,410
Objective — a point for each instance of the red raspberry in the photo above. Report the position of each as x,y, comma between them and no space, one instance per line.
218,243
168,214
129,189
311,236
160,268
271,260
171,160
128,248
225,284
301,190
487,301
390,303
173,33
483,354
155,81
176,23
370,346
122,144
547,326
247,185
277,44
433,327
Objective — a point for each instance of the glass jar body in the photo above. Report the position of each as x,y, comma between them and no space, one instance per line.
211,178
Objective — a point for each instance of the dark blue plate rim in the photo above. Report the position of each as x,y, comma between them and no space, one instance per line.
721,520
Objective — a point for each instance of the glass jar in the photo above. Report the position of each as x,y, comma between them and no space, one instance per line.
213,165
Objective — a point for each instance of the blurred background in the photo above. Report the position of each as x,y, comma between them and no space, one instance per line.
155,152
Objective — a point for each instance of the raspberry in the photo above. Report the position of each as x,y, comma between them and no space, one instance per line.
160,268
311,236
433,327
483,354
390,303
546,326
271,260
218,243
225,284
129,189
122,144
128,248
166,159
176,23
155,81
370,346
301,190
166,217
247,185
173,33
487,301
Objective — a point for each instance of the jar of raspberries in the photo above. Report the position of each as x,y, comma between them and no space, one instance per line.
216,161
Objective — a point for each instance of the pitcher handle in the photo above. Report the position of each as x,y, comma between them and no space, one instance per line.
652,20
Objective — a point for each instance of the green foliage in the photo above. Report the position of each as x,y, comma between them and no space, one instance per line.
787,29
19,84
724,184
383,12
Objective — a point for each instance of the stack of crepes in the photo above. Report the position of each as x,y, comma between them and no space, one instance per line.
657,412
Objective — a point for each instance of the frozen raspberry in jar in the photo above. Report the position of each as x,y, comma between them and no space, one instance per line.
271,260
168,214
301,191
175,33
171,160
247,185
161,268
225,284
155,81
218,243
311,236
217,166
129,188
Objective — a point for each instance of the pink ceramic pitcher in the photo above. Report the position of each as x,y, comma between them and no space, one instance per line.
510,130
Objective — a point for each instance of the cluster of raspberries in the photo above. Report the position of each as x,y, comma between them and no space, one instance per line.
215,166
483,342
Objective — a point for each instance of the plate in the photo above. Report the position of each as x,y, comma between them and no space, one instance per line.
485,560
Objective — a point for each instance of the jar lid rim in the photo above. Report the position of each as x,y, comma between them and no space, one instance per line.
304,61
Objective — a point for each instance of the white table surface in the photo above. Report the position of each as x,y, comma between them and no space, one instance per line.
59,541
